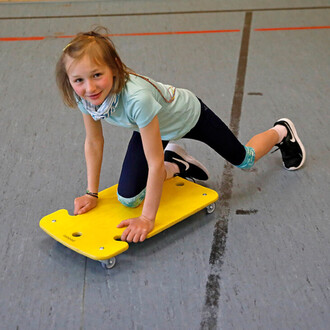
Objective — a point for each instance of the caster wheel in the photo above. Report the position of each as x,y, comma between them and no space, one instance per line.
210,209
108,264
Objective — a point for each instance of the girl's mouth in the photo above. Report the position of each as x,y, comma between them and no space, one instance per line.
94,96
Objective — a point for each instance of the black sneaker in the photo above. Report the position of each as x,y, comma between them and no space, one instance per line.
189,166
293,151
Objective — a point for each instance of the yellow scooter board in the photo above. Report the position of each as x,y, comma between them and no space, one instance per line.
95,233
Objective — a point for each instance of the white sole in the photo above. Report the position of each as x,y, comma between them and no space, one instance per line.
294,131
183,153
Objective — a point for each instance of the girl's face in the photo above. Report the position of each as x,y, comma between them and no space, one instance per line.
89,80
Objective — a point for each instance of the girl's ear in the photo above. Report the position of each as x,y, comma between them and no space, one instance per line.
117,63
116,69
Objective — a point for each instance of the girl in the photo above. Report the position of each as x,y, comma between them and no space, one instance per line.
92,77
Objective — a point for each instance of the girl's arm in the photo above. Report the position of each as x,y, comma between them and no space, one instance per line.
138,228
153,150
94,142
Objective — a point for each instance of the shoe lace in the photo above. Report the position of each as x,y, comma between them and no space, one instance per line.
278,148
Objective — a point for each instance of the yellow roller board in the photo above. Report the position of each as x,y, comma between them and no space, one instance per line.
95,233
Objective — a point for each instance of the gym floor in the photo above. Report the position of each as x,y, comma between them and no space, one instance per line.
262,259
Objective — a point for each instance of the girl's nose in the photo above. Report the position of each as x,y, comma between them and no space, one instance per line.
90,86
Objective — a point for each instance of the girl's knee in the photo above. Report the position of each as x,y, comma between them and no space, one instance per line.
249,159
132,201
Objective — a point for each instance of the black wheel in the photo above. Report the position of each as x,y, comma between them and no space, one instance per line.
108,264
210,209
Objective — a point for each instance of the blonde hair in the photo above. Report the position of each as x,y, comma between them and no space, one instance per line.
99,47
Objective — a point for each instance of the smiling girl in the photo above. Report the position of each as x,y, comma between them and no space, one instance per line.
92,77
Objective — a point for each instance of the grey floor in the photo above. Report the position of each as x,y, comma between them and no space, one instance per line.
262,260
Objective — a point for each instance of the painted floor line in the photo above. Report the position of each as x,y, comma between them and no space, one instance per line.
294,28
213,285
122,35
35,38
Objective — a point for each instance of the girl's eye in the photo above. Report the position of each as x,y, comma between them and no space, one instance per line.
97,75
78,80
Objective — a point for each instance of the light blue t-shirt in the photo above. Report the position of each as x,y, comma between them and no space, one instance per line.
140,102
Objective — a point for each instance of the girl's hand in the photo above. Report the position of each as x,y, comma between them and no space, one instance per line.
137,229
84,204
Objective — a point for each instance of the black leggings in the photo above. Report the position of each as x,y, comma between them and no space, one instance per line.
209,129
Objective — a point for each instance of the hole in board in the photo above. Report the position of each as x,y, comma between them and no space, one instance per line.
180,184
76,234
